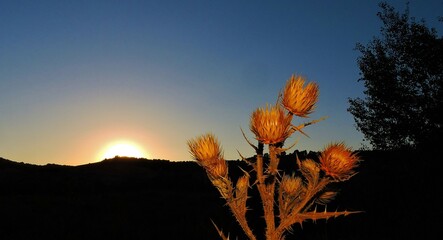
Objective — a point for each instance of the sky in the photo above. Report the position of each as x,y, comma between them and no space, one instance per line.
78,76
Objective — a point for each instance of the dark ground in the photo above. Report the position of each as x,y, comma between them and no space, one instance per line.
156,199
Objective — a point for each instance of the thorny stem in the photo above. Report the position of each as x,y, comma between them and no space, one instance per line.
241,218
266,193
259,169
274,160
292,217
292,209
268,202
225,188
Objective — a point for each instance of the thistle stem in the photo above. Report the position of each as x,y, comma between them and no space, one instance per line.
241,219
266,195
293,216
269,192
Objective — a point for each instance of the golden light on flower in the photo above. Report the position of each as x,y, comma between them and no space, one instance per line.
310,166
208,153
270,124
205,149
291,185
298,99
338,161
298,194
218,168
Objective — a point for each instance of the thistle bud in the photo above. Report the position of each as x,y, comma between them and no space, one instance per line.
300,100
205,149
291,185
208,153
218,168
243,183
241,191
338,161
310,166
270,125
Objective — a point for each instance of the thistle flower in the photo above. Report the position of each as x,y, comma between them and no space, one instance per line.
291,185
338,161
310,166
298,193
208,153
205,149
270,124
297,99
241,191
218,168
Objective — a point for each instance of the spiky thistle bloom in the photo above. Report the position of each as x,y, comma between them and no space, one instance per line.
218,168
298,99
310,166
241,191
338,161
270,124
291,185
208,153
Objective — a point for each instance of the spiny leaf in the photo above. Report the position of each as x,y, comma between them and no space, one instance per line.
247,140
326,197
222,235
314,215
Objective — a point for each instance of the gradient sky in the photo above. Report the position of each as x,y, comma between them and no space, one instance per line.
76,76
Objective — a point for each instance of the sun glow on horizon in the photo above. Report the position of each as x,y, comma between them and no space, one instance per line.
122,149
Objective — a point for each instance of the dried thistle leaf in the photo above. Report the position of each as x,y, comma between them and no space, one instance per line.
310,170
326,197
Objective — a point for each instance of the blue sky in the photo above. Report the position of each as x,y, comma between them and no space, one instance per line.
78,75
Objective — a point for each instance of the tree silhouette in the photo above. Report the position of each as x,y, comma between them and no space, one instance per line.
402,71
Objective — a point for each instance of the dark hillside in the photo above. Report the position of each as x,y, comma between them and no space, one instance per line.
127,198
113,199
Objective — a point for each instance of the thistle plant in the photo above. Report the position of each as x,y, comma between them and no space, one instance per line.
286,199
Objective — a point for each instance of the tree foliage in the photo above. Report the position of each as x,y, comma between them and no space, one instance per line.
402,71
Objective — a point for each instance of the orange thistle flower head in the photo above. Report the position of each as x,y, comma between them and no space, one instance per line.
205,149
218,168
270,124
310,166
298,99
208,153
291,185
338,161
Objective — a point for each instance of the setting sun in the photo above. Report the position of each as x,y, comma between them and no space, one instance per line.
123,149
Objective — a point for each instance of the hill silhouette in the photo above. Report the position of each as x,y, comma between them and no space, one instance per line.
130,198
